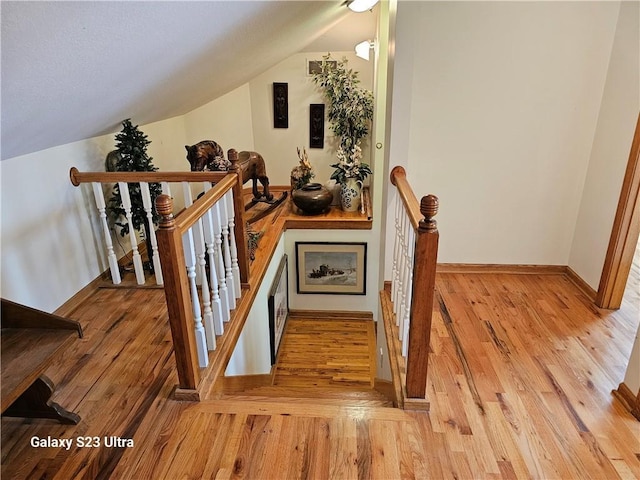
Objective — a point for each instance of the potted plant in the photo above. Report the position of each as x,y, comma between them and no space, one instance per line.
132,148
350,112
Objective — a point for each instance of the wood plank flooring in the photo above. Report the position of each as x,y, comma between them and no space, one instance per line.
326,353
534,402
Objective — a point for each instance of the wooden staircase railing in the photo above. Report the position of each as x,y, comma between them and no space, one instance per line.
412,289
202,257
126,181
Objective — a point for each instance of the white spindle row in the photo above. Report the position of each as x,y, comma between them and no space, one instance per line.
211,256
212,238
402,273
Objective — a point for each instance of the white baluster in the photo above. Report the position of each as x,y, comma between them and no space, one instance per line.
198,238
227,253
406,322
237,287
190,260
222,281
148,208
398,300
396,246
126,205
209,241
111,256
406,291
188,201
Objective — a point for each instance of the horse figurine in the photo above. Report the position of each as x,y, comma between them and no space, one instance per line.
208,155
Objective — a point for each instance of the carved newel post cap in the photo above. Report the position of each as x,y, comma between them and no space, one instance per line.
164,207
429,209
232,155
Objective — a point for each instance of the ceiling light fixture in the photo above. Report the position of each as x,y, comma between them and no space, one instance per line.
363,49
361,5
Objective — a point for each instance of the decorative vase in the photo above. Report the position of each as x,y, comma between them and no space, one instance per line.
334,188
312,198
350,195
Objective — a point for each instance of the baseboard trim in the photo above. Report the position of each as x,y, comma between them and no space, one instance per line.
500,268
330,315
579,282
385,387
520,270
629,400
68,307
242,383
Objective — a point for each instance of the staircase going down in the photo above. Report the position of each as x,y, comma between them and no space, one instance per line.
320,361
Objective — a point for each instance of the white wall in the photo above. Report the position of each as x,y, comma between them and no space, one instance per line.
226,120
49,230
503,102
278,145
610,151
252,355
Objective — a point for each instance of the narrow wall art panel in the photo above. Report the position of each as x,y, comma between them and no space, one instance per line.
280,105
316,125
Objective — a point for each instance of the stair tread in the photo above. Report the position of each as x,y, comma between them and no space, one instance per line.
357,395
346,401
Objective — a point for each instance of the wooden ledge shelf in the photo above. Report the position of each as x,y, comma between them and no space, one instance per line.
288,216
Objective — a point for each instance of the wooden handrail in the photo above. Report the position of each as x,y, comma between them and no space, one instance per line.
177,290
409,199
187,217
421,216
78,177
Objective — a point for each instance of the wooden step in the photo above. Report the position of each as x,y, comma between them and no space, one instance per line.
344,400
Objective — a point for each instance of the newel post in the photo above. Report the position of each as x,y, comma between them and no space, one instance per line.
240,222
424,281
177,293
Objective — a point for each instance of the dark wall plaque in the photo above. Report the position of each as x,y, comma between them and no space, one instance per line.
280,105
316,125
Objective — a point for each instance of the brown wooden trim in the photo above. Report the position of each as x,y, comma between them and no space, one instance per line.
187,217
396,361
424,281
240,224
178,297
624,234
78,177
581,284
421,404
242,383
409,199
630,400
68,307
501,268
385,387
330,315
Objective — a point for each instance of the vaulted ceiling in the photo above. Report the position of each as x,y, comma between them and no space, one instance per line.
74,70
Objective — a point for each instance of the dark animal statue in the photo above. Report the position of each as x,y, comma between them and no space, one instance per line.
208,155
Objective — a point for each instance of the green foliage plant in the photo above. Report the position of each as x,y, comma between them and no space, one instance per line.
350,112
132,146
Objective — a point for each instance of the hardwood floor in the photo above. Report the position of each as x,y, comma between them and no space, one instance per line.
520,382
326,353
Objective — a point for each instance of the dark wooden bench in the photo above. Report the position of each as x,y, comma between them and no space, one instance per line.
29,341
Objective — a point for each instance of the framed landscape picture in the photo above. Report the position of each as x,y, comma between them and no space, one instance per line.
278,305
331,268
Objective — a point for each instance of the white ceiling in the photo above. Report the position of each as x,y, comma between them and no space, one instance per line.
74,70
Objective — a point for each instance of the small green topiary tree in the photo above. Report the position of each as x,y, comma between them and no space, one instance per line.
132,147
